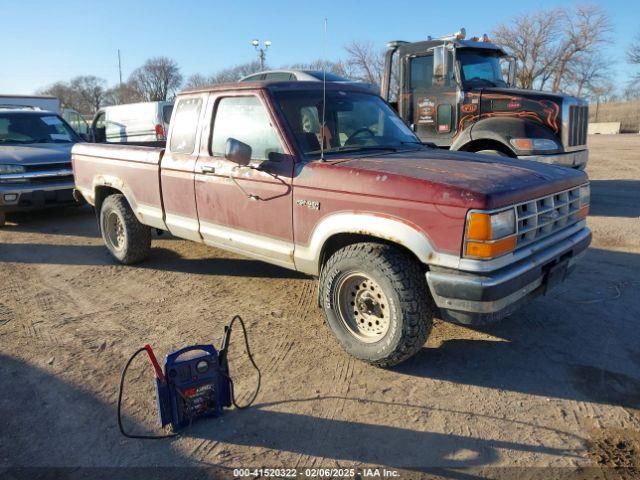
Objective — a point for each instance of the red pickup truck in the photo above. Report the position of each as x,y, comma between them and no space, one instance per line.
335,185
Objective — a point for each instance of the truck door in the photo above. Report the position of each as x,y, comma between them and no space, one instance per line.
431,102
246,209
178,165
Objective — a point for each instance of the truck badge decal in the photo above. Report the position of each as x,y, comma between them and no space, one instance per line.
550,217
313,205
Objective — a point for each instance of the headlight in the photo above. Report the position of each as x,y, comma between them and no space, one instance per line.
585,195
531,144
489,235
585,199
11,169
8,173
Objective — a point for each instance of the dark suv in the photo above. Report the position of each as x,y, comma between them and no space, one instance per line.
35,160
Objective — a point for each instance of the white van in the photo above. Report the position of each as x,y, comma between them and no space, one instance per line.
146,122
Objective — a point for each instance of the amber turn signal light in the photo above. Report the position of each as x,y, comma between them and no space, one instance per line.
490,250
479,227
583,212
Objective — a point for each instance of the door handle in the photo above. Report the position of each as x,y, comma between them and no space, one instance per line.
208,169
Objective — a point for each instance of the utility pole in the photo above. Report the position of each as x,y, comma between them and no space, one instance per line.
262,51
120,68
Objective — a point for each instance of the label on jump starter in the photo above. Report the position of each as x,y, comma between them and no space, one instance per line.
197,400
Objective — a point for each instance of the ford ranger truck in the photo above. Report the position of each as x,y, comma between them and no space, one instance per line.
338,187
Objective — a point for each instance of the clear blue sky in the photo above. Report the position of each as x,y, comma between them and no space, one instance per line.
45,41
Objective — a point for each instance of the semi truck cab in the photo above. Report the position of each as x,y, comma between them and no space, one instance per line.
460,94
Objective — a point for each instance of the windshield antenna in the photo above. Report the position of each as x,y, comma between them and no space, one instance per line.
324,89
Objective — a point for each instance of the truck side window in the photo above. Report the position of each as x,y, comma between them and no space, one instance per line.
422,72
245,119
185,124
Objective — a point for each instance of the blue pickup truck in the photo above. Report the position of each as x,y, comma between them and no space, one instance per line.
35,160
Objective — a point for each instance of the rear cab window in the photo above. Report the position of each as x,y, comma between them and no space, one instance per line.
185,125
246,119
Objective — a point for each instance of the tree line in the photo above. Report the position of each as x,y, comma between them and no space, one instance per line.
558,49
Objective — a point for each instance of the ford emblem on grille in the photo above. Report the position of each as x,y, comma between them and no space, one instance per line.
550,217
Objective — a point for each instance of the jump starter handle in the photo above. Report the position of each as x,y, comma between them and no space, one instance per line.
154,361
224,347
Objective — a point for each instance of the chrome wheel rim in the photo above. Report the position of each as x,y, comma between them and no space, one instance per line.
114,229
363,307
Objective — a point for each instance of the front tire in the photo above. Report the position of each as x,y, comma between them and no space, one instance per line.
496,153
376,301
128,240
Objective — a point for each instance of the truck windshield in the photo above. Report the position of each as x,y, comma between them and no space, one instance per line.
30,127
353,121
480,68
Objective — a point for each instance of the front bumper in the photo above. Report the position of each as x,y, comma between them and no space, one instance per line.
29,196
577,159
475,298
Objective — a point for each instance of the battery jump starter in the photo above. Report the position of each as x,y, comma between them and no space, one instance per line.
193,384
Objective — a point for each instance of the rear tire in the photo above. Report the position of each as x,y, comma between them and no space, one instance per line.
128,240
376,301
3,219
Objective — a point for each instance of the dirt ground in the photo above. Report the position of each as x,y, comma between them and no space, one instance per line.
556,385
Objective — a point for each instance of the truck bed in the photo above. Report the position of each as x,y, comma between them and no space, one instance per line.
133,170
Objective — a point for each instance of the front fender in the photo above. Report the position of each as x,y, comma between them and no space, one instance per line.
307,258
502,130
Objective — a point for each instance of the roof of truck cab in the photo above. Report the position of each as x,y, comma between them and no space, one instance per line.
423,46
276,85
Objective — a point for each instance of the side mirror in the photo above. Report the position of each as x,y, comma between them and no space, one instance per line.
512,72
237,152
440,62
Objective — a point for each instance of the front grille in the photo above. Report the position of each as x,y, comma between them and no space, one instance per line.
578,124
48,172
547,215
47,166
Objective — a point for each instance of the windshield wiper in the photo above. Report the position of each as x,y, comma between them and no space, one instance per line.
357,148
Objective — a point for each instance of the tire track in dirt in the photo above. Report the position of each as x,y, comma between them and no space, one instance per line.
301,311
343,375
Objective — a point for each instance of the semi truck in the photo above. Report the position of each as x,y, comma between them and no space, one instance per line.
461,94
397,232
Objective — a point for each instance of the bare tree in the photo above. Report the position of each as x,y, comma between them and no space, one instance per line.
530,39
91,90
588,76
125,93
227,75
633,53
85,93
550,44
366,63
584,30
338,67
158,79
63,91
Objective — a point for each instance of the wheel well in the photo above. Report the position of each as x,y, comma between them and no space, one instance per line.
340,240
488,144
101,194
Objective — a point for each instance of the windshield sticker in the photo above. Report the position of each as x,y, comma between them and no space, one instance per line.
51,120
60,136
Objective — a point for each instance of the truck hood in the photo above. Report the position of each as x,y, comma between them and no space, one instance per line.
461,179
35,154
523,93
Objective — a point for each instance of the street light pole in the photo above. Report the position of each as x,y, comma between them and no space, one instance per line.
262,51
